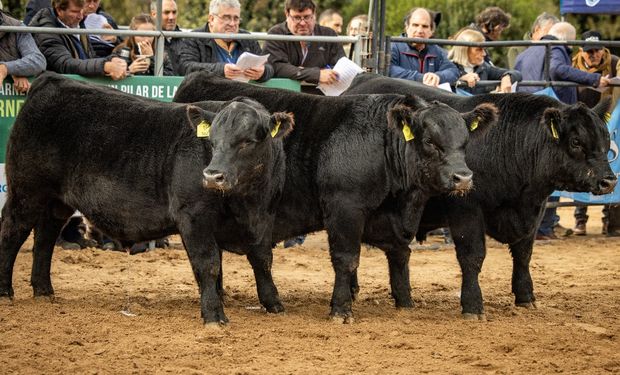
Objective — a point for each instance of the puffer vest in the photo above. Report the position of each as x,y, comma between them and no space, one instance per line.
8,41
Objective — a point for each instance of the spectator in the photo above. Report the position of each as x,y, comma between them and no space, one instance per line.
96,18
19,55
169,23
540,27
332,19
428,64
141,51
311,62
72,54
473,68
358,25
33,6
491,22
220,55
596,59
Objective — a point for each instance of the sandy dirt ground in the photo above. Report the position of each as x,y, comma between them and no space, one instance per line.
116,313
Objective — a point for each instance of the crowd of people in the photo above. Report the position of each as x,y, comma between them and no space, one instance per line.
462,67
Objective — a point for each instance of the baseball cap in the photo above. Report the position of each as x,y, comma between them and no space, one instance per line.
591,36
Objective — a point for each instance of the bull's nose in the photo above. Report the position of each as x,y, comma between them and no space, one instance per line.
607,185
463,181
215,180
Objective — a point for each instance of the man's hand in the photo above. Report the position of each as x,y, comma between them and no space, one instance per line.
21,84
328,76
139,65
254,73
505,85
108,38
430,79
603,82
116,68
232,71
3,73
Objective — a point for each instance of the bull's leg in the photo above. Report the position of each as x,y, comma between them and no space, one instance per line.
206,261
522,285
45,234
19,216
470,251
261,259
398,261
355,286
344,230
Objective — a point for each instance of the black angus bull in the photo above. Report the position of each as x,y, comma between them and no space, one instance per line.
539,145
139,169
348,162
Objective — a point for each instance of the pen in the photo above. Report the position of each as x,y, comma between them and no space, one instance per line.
328,66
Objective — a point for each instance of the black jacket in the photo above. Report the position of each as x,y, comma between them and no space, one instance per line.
200,54
60,50
286,57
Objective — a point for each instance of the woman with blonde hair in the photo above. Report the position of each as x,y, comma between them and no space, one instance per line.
473,68
141,53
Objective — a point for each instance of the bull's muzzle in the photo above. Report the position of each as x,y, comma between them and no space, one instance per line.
216,180
606,185
463,182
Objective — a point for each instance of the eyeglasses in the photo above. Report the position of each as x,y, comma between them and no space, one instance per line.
229,19
298,19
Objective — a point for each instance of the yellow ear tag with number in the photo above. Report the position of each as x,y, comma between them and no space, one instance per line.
203,129
607,117
407,132
474,124
275,129
554,131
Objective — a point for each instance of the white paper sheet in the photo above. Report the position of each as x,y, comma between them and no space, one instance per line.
445,86
347,70
249,60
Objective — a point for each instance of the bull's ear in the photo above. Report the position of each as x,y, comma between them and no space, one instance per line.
281,124
400,118
481,118
200,120
552,117
602,109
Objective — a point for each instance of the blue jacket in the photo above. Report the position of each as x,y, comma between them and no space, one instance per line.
531,65
406,64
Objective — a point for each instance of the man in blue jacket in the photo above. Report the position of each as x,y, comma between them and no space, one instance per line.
428,64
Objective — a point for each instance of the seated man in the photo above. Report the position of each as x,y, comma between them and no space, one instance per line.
19,55
428,64
72,54
220,55
311,62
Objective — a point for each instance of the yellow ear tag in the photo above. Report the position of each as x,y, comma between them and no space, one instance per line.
407,132
274,131
607,117
474,124
554,131
203,129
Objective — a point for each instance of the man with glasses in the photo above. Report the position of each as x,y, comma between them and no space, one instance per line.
311,62
220,55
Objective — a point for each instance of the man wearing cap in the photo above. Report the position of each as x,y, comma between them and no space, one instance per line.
596,59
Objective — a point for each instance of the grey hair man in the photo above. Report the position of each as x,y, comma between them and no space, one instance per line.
540,28
220,55
172,46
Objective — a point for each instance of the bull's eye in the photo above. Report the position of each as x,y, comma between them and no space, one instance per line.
574,142
244,144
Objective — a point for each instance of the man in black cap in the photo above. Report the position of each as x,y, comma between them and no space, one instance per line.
596,59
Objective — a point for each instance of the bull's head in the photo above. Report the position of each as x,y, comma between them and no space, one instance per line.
436,137
242,134
580,143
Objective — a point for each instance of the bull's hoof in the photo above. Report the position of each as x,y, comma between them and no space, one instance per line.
275,308
470,316
340,319
214,326
527,305
404,303
45,298
215,316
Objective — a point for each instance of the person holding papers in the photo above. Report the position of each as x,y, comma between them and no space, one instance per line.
311,62
220,55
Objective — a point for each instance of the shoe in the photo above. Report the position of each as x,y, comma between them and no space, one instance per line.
66,245
108,246
580,228
162,243
548,237
561,231
291,242
138,248
613,233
